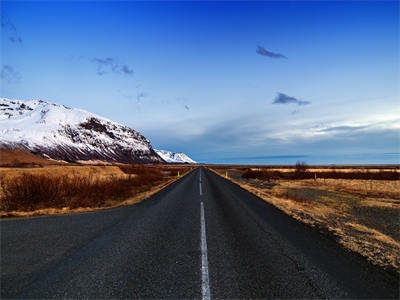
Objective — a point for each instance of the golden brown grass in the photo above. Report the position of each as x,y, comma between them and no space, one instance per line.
362,214
108,205
22,158
26,192
301,172
67,170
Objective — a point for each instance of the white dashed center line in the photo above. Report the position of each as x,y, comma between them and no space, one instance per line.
205,284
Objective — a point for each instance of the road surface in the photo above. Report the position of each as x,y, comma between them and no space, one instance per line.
201,237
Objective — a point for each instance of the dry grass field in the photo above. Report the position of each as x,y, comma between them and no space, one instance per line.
67,189
361,214
22,158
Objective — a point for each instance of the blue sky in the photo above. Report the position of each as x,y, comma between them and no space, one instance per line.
221,81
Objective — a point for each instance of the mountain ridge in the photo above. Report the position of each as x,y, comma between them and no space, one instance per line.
55,131
175,157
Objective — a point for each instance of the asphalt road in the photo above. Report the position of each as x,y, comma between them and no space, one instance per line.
201,237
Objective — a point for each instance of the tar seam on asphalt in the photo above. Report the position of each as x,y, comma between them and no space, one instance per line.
201,191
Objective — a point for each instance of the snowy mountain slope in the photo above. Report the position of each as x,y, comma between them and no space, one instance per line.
175,157
62,133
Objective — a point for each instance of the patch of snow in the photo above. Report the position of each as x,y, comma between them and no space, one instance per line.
175,157
38,124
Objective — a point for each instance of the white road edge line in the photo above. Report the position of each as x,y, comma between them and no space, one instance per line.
205,285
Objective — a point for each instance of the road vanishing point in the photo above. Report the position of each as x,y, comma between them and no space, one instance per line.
202,237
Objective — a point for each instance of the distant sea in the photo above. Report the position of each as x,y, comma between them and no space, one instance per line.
315,159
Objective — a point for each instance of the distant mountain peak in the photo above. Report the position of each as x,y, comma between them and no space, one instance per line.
175,157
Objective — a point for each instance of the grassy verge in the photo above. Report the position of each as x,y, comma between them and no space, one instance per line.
362,214
328,174
77,189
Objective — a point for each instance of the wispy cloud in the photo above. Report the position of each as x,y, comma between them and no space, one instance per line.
140,96
8,25
8,74
344,128
262,51
111,65
282,98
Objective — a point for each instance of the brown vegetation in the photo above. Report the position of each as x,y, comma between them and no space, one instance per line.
302,173
359,207
76,187
34,191
22,158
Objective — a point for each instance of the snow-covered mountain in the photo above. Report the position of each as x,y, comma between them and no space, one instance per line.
175,157
62,133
